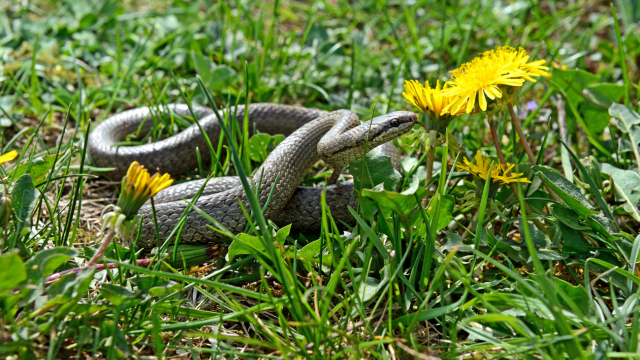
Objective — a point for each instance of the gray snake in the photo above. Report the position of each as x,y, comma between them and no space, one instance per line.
338,137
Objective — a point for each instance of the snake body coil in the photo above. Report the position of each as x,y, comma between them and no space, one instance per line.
339,137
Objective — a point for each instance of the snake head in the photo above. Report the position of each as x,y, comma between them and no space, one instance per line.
340,149
388,127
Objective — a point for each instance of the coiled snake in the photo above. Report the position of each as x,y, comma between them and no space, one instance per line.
338,137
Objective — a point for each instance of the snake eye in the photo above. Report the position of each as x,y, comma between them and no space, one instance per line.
395,123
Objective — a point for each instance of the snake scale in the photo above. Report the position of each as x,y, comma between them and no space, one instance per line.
337,137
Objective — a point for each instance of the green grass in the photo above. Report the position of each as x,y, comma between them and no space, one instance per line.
402,284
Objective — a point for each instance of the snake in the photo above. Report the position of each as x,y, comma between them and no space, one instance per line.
338,137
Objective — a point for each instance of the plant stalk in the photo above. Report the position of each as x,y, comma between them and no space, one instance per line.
503,161
103,247
433,135
527,148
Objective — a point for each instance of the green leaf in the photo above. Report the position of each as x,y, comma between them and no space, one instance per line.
573,241
567,216
601,224
596,117
573,82
403,202
39,168
446,211
203,67
246,245
282,234
579,296
554,255
311,253
604,94
626,185
627,123
261,145
369,288
539,238
377,170
87,20
115,294
24,199
44,262
13,272
221,77
566,190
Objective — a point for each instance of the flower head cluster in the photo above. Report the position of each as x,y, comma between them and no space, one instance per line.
486,77
137,188
498,172
432,102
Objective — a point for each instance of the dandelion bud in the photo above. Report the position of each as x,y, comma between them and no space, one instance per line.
6,204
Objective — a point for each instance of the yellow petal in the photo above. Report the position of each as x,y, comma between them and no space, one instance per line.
8,156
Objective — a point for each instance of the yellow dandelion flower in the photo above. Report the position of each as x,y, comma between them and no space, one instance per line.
138,187
516,62
478,80
498,173
431,101
11,155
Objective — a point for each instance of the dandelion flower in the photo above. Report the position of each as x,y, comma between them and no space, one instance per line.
138,187
515,61
11,155
478,80
498,173
432,102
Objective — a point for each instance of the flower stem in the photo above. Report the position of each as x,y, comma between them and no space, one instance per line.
433,134
503,161
527,148
103,247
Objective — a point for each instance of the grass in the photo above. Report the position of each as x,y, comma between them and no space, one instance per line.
468,277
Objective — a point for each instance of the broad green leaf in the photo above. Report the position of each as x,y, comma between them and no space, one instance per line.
573,82
573,241
453,240
168,288
24,199
445,214
246,245
261,145
541,240
369,288
626,184
13,272
311,253
566,190
115,294
579,296
403,202
567,216
596,117
604,94
377,170
221,77
203,67
282,234
39,168
44,262
627,123
601,224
